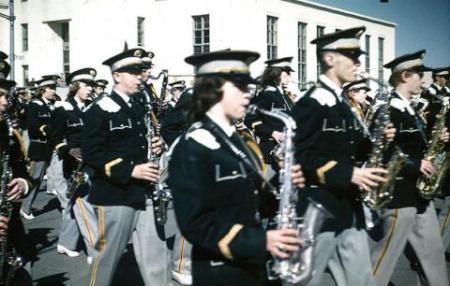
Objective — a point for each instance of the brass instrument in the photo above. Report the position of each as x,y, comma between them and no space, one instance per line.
298,267
383,194
9,262
430,186
77,178
160,196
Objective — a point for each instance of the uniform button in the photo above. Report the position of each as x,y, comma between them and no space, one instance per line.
138,123
353,157
234,172
140,134
121,125
143,147
351,142
350,128
255,192
132,162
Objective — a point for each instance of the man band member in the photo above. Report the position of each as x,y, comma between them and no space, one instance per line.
356,93
39,126
269,130
218,208
176,89
114,144
330,143
409,218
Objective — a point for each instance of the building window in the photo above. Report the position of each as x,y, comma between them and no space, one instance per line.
367,67
380,58
140,31
301,55
320,32
25,75
24,37
66,46
272,37
201,34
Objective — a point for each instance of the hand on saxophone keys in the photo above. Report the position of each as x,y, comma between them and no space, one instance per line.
17,189
297,176
156,145
427,168
3,227
146,171
445,136
368,178
281,242
389,133
278,136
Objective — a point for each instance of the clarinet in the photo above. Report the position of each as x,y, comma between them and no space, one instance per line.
160,195
298,268
9,262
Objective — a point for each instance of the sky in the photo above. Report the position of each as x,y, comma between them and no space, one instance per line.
421,24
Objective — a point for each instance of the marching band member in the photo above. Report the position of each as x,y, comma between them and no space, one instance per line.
219,208
330,144
114,144
409,219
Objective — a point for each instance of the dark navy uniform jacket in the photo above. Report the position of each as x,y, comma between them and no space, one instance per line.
411,138
39,126
270,98
69,124
329,143
175,121
113,143
217,201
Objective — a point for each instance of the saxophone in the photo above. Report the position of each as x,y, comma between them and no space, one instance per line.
161,195
77,178
9,262
298,268
380,196
430,186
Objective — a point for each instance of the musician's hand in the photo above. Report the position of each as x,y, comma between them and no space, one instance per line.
15,123
281,242
444,135
389,132
146,171
278,136
297,176
76,153
240,125
157,145
17,188
368,178
3,225
427,168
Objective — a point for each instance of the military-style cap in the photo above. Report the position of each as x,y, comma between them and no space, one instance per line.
20,89
86,75
101,82
412,61
126,61
3,56
227,63
178,84
345,41
47,80
6,84
147,60
441,71
284,63
357,85
5,68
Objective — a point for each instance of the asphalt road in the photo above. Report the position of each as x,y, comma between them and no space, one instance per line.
55,269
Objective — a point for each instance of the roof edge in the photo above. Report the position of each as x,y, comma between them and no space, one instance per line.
342,12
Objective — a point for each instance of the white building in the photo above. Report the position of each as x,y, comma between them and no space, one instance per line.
57,36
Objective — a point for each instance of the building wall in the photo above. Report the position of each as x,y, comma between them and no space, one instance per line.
99,28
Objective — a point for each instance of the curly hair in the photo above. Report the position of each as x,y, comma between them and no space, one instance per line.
207,92
271,76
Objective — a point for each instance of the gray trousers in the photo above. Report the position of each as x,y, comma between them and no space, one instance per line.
37,171
400,226
86,218
55,178
346,255
443,208
119,224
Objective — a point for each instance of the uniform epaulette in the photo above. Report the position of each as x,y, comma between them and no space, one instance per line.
397,103
270,88
64,104
107,104
202,136
323,97
37,101
432,90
